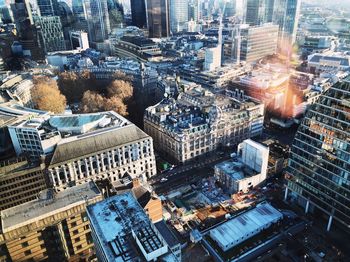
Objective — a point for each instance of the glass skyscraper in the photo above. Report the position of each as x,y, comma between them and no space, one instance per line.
178,15
97,20
286,15
138,13
319,166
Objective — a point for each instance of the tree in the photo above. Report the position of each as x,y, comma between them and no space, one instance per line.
121,89
92,102
73,85
46,95
115,104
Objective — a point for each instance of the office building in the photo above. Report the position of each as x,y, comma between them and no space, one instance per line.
51,29
318,170
19,87
246,170
200,121
158,18
178,15
87,146
194,10
30,36
20,181
138,48
48,7
245,226
286,16
97,17
255,12
138,13
256,42
79,40
122,231
54,227
80,14
212,59
329,61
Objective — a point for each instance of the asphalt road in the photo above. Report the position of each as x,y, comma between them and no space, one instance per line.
185,174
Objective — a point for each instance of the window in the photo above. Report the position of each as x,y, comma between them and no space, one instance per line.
75,232
27,252
25,244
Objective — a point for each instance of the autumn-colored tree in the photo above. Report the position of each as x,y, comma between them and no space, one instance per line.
120,89
73,85
92,102
115,104
46,95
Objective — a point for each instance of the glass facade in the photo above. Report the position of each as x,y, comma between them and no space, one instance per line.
319,166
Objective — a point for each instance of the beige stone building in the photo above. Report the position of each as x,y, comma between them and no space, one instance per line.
54,227
199,122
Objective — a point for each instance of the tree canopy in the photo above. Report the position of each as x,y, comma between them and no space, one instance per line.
46,95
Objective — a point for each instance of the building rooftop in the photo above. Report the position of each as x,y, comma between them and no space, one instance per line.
236,169
121,226
138,40
247,223
48,204
81,145
166,232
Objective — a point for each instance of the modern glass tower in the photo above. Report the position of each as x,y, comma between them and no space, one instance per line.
138,13
319,166
178,15
286,15
48,7
158,18
97,20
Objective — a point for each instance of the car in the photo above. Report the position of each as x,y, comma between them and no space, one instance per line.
163,180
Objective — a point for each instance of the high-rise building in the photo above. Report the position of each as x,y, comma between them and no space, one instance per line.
96,13
79,13
79,40
178,15
53,227
158,18
194,10
319,169
286,15
255,12
51,29
138,13
256,42
48,7
30,36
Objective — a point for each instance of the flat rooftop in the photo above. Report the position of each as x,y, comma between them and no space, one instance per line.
236,169
115,220
49,203
236,229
